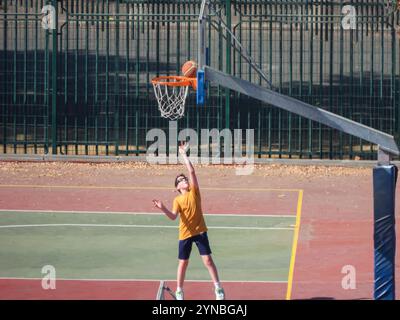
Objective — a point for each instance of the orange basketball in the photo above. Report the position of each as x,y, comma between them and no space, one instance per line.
189,69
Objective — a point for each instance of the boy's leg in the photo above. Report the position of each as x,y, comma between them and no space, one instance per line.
185,247
205,252
182,266
212,269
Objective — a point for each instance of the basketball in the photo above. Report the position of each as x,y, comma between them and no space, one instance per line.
189,69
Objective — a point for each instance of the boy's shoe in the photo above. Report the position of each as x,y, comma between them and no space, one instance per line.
219,294
179,295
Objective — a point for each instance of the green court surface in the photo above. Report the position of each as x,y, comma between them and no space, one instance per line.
140,246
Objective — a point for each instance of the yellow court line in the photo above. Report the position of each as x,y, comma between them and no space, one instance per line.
138,188
294,245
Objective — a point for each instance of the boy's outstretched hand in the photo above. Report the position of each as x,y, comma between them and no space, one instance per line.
183,147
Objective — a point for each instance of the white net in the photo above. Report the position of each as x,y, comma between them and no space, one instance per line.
171,99
391,6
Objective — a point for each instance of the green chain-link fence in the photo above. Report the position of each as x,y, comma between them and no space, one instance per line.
85,88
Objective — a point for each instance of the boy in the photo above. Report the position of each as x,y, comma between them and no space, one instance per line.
192,227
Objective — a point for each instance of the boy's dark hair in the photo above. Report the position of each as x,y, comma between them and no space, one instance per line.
177,177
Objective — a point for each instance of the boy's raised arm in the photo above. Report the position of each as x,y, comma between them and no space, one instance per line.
189,166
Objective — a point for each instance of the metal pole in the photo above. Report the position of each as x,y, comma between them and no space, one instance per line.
384,189
201,59
228,63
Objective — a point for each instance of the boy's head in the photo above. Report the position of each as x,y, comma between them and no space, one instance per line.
181,183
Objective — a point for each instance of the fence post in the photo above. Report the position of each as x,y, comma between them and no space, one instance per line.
54,81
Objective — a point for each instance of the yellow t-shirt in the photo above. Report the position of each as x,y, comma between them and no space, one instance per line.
191,222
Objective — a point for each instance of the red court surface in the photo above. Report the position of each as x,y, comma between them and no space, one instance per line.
132,290
336,225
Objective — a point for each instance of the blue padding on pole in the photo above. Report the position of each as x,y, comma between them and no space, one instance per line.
200,88
384,181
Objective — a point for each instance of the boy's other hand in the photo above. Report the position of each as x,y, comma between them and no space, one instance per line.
158,204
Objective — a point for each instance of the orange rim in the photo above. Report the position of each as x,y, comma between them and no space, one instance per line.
178,81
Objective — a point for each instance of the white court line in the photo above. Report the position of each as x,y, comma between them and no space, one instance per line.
146,280
153,213
131,226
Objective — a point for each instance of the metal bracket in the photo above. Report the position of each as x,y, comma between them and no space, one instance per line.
384,157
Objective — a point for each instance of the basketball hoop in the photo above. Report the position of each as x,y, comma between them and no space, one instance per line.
171,93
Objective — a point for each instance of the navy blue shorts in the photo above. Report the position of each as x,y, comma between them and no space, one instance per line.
185,246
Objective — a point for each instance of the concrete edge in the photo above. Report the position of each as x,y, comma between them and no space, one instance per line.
124,159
